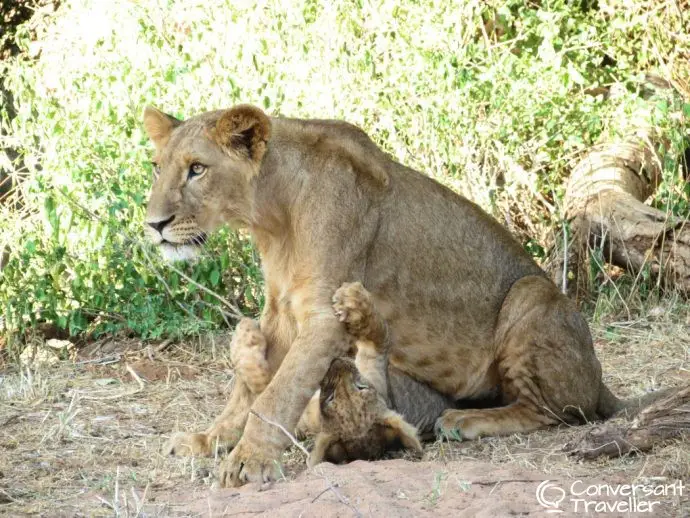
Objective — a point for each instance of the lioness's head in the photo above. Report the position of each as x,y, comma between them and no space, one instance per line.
203,169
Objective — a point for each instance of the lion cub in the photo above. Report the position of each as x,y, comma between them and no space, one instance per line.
356,423
359,417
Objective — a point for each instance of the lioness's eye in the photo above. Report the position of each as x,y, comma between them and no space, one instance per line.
359,385
195,170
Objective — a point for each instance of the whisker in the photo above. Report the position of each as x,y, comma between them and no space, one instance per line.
198,240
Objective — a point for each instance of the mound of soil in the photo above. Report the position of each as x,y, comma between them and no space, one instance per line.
402,488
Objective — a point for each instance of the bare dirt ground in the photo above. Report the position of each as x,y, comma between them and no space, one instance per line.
82,438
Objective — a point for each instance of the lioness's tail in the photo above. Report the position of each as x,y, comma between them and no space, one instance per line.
609,405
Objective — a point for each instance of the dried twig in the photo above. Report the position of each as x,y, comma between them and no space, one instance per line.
9,497
134,375
331,487
88,397
282,429
163,345
106,360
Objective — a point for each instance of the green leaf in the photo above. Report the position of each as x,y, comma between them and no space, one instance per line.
686,109
662,106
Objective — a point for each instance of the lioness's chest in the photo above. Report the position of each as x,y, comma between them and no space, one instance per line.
289,303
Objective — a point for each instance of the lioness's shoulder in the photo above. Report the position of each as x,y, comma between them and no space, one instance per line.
337,138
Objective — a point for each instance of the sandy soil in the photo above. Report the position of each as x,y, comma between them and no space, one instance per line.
403,488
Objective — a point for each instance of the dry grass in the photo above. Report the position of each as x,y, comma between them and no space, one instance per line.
83,439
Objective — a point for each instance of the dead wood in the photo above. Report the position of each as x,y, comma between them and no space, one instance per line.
665,420
605,201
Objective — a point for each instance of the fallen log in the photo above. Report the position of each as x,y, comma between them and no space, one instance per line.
605,203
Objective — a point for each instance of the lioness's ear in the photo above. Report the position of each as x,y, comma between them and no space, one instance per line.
159,126
244,128
398,429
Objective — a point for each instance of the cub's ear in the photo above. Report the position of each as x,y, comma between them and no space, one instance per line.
327,448
244,128
159,126
397,429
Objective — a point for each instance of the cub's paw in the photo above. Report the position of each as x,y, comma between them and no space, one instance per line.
248,355
249,462
310,422
185,444
353,306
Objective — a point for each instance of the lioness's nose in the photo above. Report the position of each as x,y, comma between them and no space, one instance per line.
160,225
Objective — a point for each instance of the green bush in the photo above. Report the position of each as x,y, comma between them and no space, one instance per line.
488,97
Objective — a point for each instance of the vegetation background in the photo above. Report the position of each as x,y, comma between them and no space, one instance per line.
496,99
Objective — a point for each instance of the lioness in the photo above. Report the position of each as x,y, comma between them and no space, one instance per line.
467,307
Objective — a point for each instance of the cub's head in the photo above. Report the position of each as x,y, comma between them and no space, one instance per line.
349,404
203,169
355,421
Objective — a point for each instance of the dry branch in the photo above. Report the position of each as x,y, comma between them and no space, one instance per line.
664,420
331,486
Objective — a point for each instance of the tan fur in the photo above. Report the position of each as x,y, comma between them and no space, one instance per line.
467,308
248,355
159,126
354,307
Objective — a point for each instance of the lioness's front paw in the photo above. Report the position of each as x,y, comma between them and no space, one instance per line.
184,444
353,306
249,462
246,326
